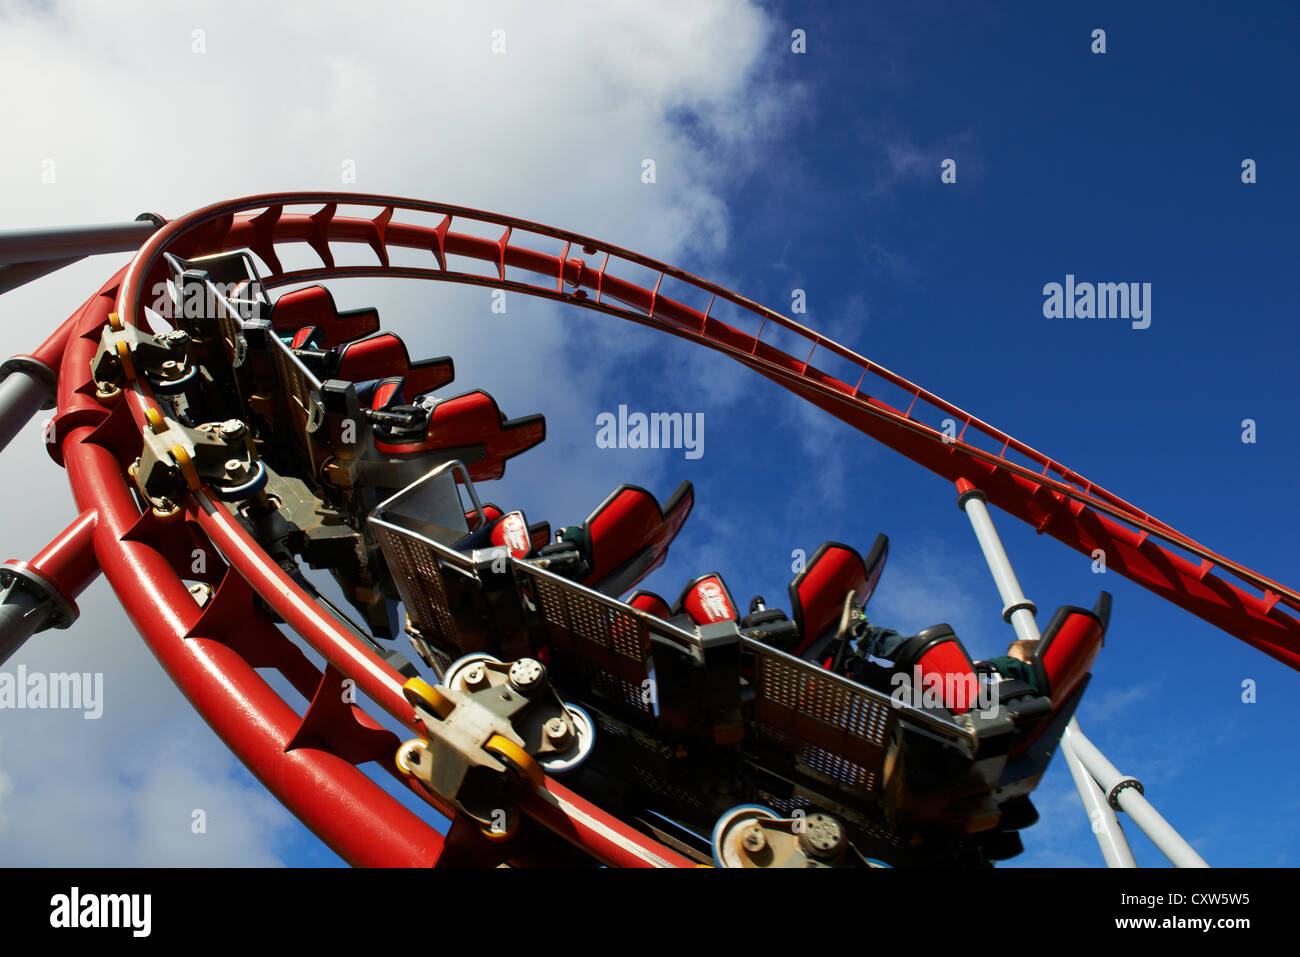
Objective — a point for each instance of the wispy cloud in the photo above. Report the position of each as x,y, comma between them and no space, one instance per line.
894,158
1102,706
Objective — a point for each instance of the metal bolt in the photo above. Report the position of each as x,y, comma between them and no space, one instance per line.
475,677
753,839
557,731
823,835
527,674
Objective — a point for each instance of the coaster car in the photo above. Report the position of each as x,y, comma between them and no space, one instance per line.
622,541
696,708
313,306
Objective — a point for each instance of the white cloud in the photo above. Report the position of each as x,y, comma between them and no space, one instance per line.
554,130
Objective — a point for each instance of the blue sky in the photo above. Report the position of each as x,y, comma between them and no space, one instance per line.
1122,166
775,171
1117,167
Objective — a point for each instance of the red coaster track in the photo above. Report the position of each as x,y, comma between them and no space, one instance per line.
310,761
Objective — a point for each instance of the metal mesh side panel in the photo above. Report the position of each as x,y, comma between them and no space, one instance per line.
590,619
666,789
618,689
296,384
230,333
841,769
419,582
814,693
785,806
824,763
837,732
648,770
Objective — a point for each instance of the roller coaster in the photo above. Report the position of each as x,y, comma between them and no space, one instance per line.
207,400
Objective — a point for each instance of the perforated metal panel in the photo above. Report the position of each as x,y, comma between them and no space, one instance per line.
784,806
655,749
667,790
836,730
611,686
596,620
592,619
841,769
818,694
299,385
231,330
821,762
414,563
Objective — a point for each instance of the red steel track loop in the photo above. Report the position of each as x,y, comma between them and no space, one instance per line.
321,783
1051,497
309,762
212,652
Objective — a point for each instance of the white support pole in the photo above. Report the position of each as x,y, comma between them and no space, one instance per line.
1016,608
1126,791
1020,612
1105,825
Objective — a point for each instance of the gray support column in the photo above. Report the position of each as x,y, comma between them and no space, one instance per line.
18,274
25,387
27,254
74,242
22,614
28,605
